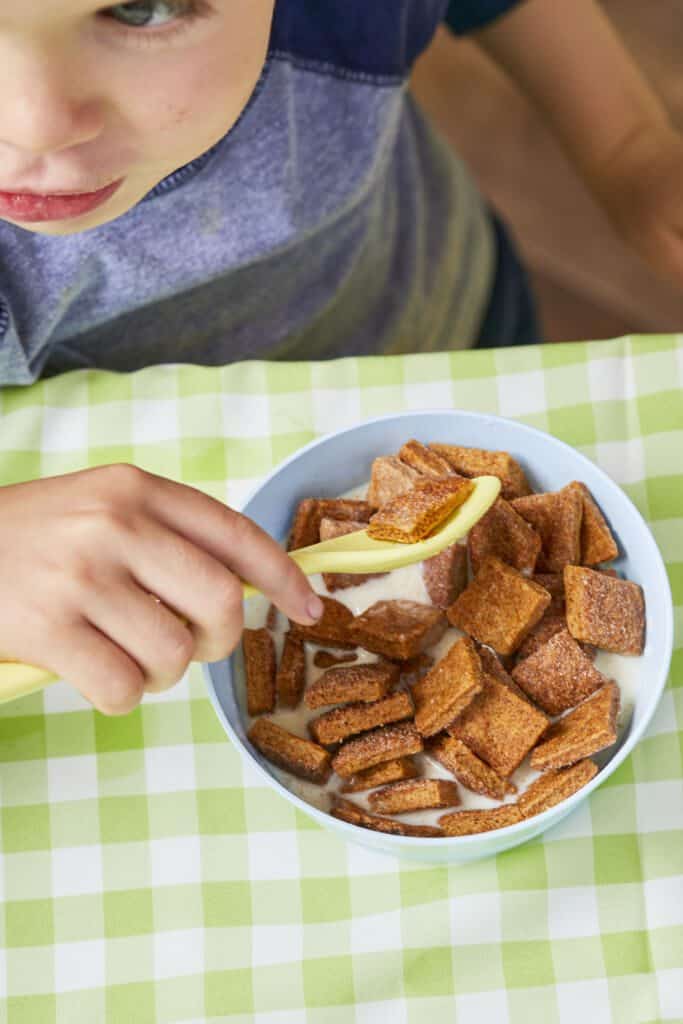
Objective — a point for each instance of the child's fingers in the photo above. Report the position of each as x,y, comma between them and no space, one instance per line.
238,543
145,629
97,667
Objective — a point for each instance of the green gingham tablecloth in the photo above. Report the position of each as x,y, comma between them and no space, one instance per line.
148,875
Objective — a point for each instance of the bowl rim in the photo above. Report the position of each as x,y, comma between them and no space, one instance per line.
539,822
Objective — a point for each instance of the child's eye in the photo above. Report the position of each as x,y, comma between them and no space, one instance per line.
150,13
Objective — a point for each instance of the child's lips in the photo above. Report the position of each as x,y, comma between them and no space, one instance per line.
33,207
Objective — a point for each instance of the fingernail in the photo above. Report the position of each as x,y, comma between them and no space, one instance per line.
315,607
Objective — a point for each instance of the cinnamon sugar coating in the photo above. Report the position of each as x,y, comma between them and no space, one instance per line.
424,460
504,533
467,823
346,810
340,723
388,771
558,675
398,629
413,516
587,729
259,667
557,517
605,611
291,674
383,744
415,795
445,575
447,688
553,787
468,769
480,462
390,477
345,684
302,758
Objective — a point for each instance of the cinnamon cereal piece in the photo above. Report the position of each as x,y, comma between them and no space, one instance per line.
354,815
413,516
502,532
424,460
415,795
352,683
553,582
499,607
272,618
467,823
332,629
445,575
388,771
259,667
415,668
553,787
605,611
479,462
597,543
398,629
554,621
469,769
558,675
557,518
340,723
499,726
587,729
300,757
291,674
384,744
325,659
310,512
390,477
447,688
331,528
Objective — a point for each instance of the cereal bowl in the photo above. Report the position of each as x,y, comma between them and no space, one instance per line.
336,464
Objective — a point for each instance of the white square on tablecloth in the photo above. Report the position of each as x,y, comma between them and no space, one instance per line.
670,988
245,415
60,697
275,943
429,394
664,902
72,778
363,861
573,912
482,1008
273,1017
371,933
334,409
520,394
476,918
170,769
178,953
610,380
584,1001
154,419
65,429
273,855
79,965
623,461
175,860
76,870
659,806
389,1011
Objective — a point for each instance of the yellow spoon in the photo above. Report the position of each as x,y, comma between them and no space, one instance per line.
351,553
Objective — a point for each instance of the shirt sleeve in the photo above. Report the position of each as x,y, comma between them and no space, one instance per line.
466,15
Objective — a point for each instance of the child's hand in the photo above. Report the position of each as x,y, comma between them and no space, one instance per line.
81,556
641,189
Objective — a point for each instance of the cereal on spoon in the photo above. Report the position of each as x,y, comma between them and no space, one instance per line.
481,698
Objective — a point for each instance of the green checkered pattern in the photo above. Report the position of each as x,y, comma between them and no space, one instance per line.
148,875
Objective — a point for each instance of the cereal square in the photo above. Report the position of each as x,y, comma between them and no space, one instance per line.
445,575
424,460
587,729
389,771
468,769
555,786
499,607
399,630
557,517
332,629
300,757
352,683
558,675
500,726
346,810
311,511
383,744
447,688
329,530
291,673
334,726
467,823
260,668
605,611
479,462
390,478
414,795
502,532
413,516
597,543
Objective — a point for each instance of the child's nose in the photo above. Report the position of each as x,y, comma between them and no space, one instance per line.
45,108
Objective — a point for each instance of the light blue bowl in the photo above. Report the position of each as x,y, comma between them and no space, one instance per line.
334,464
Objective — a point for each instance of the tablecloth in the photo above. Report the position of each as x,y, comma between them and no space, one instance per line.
148,875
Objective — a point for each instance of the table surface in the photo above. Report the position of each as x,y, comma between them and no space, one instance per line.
148,875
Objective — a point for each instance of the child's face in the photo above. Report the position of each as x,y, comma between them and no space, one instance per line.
95,94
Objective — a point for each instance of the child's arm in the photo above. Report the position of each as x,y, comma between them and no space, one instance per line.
81,556
572,65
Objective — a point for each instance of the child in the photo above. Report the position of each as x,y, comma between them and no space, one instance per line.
166,196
